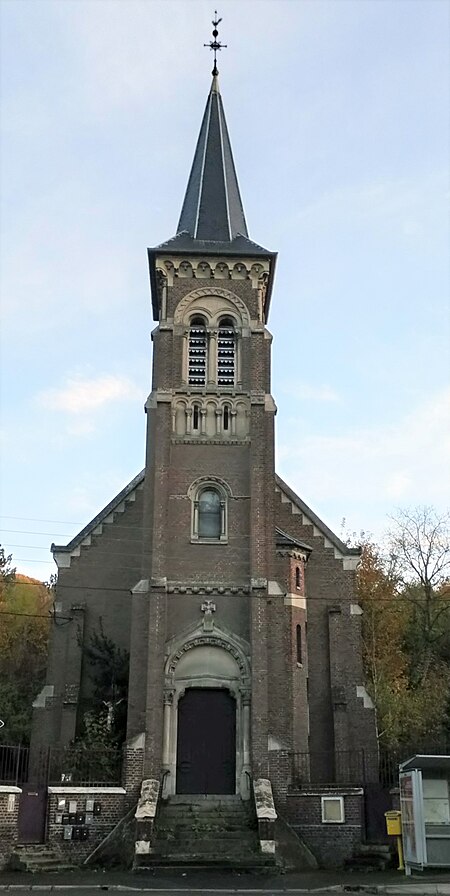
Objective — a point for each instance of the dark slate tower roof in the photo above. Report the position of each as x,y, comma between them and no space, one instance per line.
212,207
212,220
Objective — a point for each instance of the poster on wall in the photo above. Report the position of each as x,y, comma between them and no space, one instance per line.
412,818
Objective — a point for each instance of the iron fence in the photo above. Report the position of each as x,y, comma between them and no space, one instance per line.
72,765
354,767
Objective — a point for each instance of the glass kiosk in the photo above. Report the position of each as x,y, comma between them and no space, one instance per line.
425,808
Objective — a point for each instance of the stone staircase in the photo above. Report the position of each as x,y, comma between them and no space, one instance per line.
38,857
371,857
206,831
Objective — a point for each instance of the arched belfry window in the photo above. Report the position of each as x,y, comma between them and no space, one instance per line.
197,352
226,353
209,512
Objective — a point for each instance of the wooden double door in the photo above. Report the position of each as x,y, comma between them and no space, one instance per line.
206,742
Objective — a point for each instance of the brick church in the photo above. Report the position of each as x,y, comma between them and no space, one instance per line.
234,599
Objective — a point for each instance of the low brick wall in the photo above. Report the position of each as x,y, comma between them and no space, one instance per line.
9,814
331,842
91,811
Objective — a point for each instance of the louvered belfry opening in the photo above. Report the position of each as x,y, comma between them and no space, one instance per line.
197,352
226,353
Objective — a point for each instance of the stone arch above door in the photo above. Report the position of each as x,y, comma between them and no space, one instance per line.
215,660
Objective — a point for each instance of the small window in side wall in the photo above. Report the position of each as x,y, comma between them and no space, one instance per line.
298,638
226,418
333,810
298,577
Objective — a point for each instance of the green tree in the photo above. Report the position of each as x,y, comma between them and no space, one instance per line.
109,668
24,633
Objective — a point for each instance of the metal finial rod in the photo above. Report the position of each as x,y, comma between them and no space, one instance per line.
215,44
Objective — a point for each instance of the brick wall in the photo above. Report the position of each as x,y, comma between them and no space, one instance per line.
331,843
9,813
113,807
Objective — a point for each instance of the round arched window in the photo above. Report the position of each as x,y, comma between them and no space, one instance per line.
226,353
197,352
209,514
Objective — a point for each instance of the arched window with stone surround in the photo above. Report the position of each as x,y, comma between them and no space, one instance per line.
198,352
209,512
226,353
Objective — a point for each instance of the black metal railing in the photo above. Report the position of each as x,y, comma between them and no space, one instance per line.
353,767
60,765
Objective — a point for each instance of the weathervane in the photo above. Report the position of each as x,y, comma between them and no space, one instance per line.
215,44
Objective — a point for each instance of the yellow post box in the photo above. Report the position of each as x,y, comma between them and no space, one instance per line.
393,822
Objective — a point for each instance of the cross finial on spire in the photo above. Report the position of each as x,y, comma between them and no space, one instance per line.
215,44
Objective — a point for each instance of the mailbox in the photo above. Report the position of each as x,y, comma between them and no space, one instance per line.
393,823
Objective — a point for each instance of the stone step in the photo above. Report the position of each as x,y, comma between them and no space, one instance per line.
186,830
247,838
218,862
201,799
189,808
205,849
34,863
374,848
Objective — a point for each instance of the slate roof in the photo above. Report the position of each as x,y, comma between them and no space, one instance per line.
212,207
283,540
212,220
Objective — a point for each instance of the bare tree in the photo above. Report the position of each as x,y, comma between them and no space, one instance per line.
419,548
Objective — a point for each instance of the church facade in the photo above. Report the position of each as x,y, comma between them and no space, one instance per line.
235,601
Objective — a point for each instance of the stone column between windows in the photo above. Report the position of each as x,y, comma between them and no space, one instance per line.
237,358
212,357
185,359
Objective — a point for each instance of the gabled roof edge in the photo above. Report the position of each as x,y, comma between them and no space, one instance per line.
110,508
316,521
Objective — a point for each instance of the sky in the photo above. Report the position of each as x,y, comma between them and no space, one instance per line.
338,117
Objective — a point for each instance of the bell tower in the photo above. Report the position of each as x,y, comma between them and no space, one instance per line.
209,489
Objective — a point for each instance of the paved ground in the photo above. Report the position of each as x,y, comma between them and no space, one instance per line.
164,883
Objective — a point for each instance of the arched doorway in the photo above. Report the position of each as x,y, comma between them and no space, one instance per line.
206,731
206,741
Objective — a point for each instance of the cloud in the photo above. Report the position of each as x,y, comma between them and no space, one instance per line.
309,392
404,461
81,396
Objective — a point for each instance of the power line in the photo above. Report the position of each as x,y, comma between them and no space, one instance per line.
200,593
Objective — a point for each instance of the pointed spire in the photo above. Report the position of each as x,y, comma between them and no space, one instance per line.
212,208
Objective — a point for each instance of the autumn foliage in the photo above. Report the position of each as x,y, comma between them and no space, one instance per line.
24,634
405,597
